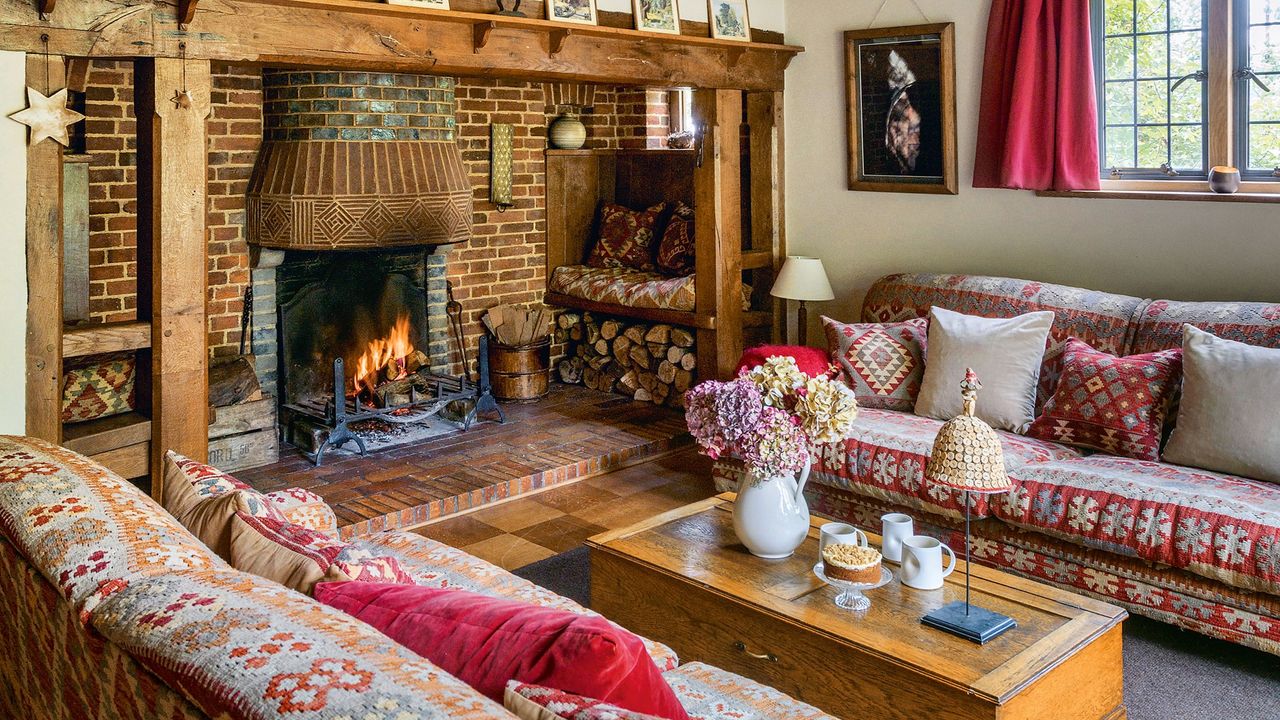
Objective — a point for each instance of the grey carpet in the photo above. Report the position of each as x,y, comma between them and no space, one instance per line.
1169,674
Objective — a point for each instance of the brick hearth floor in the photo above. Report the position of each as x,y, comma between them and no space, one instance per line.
536,527
571,434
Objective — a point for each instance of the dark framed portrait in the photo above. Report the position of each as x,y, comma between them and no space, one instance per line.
902,109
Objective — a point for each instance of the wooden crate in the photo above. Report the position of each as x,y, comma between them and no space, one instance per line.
244,436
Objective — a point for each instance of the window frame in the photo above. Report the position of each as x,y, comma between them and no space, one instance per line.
1223,116
1240,102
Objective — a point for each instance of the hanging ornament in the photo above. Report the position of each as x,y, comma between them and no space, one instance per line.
47,115
182,99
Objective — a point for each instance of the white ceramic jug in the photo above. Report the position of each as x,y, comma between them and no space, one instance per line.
922,562
771,516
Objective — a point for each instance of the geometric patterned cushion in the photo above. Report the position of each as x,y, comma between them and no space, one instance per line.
242,647
883,363
676,251
1219,526
89,532
533,702
709,693
305,508
626,237
433,564
99,387
206,480
1112,404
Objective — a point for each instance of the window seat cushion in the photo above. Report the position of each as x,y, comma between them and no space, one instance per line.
630,288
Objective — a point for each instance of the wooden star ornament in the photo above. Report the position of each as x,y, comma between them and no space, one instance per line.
48,117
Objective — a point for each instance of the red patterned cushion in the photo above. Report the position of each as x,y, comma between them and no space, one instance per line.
676,251
626,237
1108,403
99,388
534,702
882,362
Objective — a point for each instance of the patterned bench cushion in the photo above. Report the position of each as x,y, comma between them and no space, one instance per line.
84,528
631,288
1159,325
887,452
1218,526
709,693
1101,319
435,564
241,647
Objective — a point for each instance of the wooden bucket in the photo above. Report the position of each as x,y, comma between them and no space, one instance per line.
520,374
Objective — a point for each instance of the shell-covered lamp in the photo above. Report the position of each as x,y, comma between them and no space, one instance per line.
967,454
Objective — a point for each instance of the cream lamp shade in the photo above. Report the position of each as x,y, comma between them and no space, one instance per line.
802,278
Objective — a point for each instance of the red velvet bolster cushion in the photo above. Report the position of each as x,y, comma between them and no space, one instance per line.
811,361
486,641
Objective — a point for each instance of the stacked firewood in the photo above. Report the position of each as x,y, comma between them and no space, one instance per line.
651,363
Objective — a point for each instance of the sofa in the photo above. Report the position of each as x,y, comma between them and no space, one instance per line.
112,609
1186,546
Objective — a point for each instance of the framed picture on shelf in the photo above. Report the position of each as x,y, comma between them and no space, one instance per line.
657,16
729,20
901,85
433,4
582,12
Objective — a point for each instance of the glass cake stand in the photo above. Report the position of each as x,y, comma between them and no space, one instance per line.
851,597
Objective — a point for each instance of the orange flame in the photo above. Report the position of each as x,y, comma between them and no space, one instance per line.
389,352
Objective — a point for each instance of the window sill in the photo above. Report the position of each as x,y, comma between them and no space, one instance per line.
1183,195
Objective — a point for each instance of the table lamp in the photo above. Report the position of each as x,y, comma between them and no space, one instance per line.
967,456
803,279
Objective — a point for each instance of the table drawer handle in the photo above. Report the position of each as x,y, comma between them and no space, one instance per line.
742,648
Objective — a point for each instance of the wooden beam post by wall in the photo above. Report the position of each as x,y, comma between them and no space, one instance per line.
172,165
768,221
717,204
44,267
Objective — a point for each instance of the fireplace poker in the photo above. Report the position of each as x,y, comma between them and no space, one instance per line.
453,309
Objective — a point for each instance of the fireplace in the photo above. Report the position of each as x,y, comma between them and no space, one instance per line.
358,194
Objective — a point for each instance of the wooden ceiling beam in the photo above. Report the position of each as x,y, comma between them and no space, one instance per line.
342,34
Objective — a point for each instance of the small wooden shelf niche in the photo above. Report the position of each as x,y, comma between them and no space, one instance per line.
735,189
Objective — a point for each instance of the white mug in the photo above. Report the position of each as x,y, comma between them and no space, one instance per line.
895,527
838,533
922,562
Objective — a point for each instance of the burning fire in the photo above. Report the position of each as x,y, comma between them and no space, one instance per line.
384,360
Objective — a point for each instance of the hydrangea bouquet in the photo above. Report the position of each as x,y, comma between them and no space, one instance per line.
770,417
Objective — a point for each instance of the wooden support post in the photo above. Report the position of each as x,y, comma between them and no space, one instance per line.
44,267
172,162
717,203
768,224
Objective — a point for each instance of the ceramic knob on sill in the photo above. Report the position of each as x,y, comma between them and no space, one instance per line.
1224,179
568,132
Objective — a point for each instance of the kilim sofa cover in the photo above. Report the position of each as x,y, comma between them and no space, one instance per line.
113,610
1186,546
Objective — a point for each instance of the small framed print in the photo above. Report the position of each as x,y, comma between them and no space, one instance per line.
657,16
581,12
729,19
433,4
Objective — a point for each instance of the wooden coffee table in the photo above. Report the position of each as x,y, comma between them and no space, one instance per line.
682,578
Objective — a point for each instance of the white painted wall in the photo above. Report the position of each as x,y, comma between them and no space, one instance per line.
13,243
765,14
1176,250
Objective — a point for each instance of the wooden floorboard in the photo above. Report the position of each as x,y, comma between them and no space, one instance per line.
572,434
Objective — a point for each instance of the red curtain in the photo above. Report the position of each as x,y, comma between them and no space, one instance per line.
1038,121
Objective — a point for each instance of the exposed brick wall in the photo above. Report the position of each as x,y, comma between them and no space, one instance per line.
505,261
235,134
111,142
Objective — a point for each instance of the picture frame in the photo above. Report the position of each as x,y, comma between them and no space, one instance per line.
660,16
433,4
729,20
901,89
577,12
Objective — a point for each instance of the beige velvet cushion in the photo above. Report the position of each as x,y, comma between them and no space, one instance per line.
208,517
291,555
1229,418
1005,352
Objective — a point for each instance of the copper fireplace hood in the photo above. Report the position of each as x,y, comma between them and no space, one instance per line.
357,161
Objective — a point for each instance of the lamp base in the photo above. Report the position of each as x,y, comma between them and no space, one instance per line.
977,625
